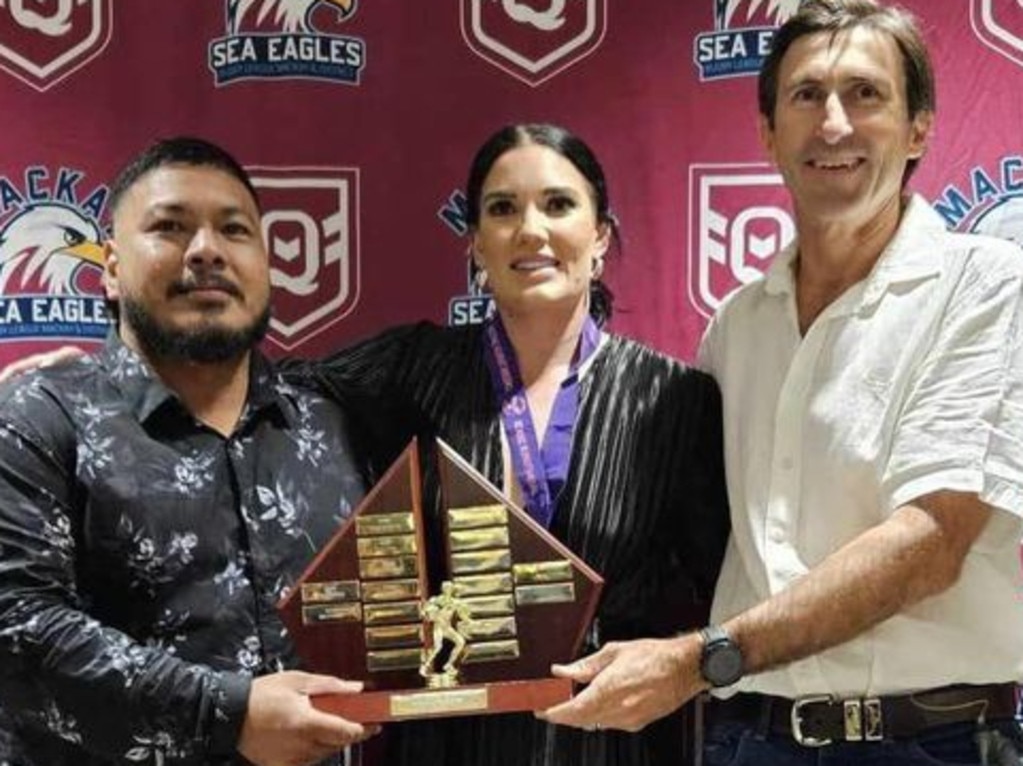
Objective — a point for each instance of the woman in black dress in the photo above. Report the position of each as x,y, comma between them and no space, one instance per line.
628,440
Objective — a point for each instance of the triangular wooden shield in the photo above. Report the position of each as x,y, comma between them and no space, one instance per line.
523,601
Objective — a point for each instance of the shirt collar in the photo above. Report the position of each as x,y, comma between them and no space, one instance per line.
908,257
146,394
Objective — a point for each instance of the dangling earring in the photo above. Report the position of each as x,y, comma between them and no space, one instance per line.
480,279
598,267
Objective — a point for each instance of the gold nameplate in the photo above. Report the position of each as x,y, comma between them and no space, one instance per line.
390,590
489,629
388,614
484,585
394,659
479,539
338,590
388,568
490,606
396,545
477,516
384,524
558,593
394,637
542,571
439,702
480,561
326,613
492,651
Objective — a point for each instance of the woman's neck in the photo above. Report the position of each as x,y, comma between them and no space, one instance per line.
544,341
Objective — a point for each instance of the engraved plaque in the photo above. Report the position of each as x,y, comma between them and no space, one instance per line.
458,611
396,637
347,591
484,585
554,593
481,561
479,539
390,590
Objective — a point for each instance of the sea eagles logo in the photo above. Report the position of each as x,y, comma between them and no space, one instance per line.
41,43
51,258
474,306
287,39
989,202
533,40
310,223
740,51
737,222
999,25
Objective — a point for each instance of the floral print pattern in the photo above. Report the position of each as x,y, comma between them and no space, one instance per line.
143,554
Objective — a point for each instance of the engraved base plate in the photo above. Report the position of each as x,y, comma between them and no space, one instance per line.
472,699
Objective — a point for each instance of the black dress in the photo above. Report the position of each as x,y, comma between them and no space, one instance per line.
644,504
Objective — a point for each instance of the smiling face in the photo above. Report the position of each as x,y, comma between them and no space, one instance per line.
187,264
842,133
538,233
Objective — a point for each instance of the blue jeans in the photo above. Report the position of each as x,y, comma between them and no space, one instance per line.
734,744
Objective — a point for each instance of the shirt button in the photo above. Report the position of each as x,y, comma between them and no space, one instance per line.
777,534
786,463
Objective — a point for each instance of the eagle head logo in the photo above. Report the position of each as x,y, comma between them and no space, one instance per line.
45,247
778,11
287,15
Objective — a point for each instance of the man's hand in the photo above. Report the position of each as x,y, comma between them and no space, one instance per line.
282,728
60,355
631,683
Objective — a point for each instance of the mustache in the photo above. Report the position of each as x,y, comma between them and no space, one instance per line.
208,282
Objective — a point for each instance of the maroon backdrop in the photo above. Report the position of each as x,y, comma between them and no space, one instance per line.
358,119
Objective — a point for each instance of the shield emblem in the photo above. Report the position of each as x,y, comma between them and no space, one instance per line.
533,40
999,25
310,223
42,43
737,222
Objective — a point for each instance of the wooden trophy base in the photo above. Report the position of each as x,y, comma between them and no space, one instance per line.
475,699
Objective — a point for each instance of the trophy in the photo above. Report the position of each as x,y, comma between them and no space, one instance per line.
458,615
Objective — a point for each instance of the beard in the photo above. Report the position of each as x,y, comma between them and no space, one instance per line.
204,344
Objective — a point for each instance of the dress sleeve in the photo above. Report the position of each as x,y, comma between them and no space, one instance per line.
703,495
63,673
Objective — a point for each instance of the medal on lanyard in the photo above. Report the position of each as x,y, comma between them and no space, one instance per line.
536,469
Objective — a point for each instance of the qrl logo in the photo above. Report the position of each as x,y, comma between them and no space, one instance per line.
311,228
999,24
44,41
737,222
533,41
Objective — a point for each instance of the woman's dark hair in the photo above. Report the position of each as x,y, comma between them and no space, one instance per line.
573,149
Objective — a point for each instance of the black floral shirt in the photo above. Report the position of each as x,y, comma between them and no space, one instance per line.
142,554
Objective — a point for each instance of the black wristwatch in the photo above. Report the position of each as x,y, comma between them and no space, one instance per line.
721,661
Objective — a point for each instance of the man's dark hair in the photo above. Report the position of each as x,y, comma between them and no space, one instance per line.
837,16
180,150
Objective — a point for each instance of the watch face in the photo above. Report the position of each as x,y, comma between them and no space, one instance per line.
722,665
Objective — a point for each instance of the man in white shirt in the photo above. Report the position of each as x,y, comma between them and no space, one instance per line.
873,401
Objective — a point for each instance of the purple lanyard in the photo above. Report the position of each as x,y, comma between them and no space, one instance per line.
541,472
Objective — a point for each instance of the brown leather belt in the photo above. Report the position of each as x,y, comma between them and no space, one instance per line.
821,720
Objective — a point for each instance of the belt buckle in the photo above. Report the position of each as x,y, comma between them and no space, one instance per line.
797,721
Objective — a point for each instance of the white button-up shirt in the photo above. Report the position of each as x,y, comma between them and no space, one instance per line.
909,383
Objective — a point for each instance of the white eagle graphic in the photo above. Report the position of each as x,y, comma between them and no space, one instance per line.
47,242
779,11
288,15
